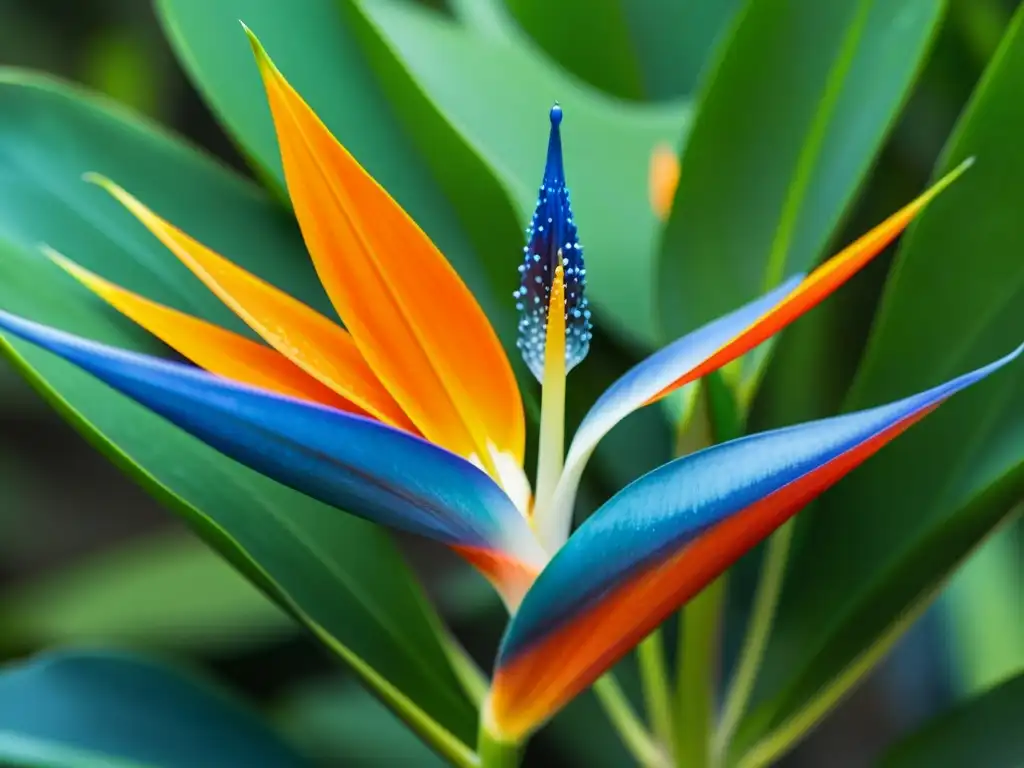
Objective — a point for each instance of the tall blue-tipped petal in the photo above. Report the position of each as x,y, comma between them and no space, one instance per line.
663,538
360,465
552,238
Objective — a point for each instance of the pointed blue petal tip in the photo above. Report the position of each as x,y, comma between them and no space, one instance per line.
552,237
556,115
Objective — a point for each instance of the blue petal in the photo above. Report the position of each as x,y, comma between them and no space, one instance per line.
664,537
636,388
360,465
552,239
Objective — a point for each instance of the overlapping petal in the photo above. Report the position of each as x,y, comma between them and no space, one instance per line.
663,538
316,345
634,389
715,345
360,465
412,317
209,346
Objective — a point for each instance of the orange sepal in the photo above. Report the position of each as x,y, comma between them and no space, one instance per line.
412,317
308,339
210,347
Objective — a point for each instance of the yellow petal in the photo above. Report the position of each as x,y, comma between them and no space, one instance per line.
412,317
311,341
218,351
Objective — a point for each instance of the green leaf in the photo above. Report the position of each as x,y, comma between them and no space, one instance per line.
879,547
167,591
591,40
110,710
633,49
984,730
496,93
984,614
342,577
53,133
786,129
338,723
676,41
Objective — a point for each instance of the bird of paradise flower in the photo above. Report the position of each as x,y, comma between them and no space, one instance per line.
411,416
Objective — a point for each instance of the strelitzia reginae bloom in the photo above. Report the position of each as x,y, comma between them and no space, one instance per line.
411,416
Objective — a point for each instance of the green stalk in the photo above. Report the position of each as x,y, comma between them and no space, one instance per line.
766,600
701,618
474,682
495,753
628,724
697,675
655,682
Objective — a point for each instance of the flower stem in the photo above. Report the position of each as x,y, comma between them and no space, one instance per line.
474,682
495,753
766,600
629,725
551,452
717,418
655,681
697,675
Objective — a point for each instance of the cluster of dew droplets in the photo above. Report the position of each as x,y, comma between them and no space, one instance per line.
552,237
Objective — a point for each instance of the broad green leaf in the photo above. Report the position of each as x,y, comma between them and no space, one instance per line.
984,730
496,94
635,49
878,547
676,40
591,40
342,577
814,360
52,133
338,723
984,614
785,132
116,710
166,592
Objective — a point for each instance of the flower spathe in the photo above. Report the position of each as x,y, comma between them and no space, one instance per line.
410,415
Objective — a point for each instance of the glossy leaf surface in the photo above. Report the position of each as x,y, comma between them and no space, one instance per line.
91,709
984,728
821,82
955,297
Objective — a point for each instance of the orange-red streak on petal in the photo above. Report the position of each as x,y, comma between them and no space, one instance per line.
414,320
533,686
218,351
817,286
510,577
308,339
